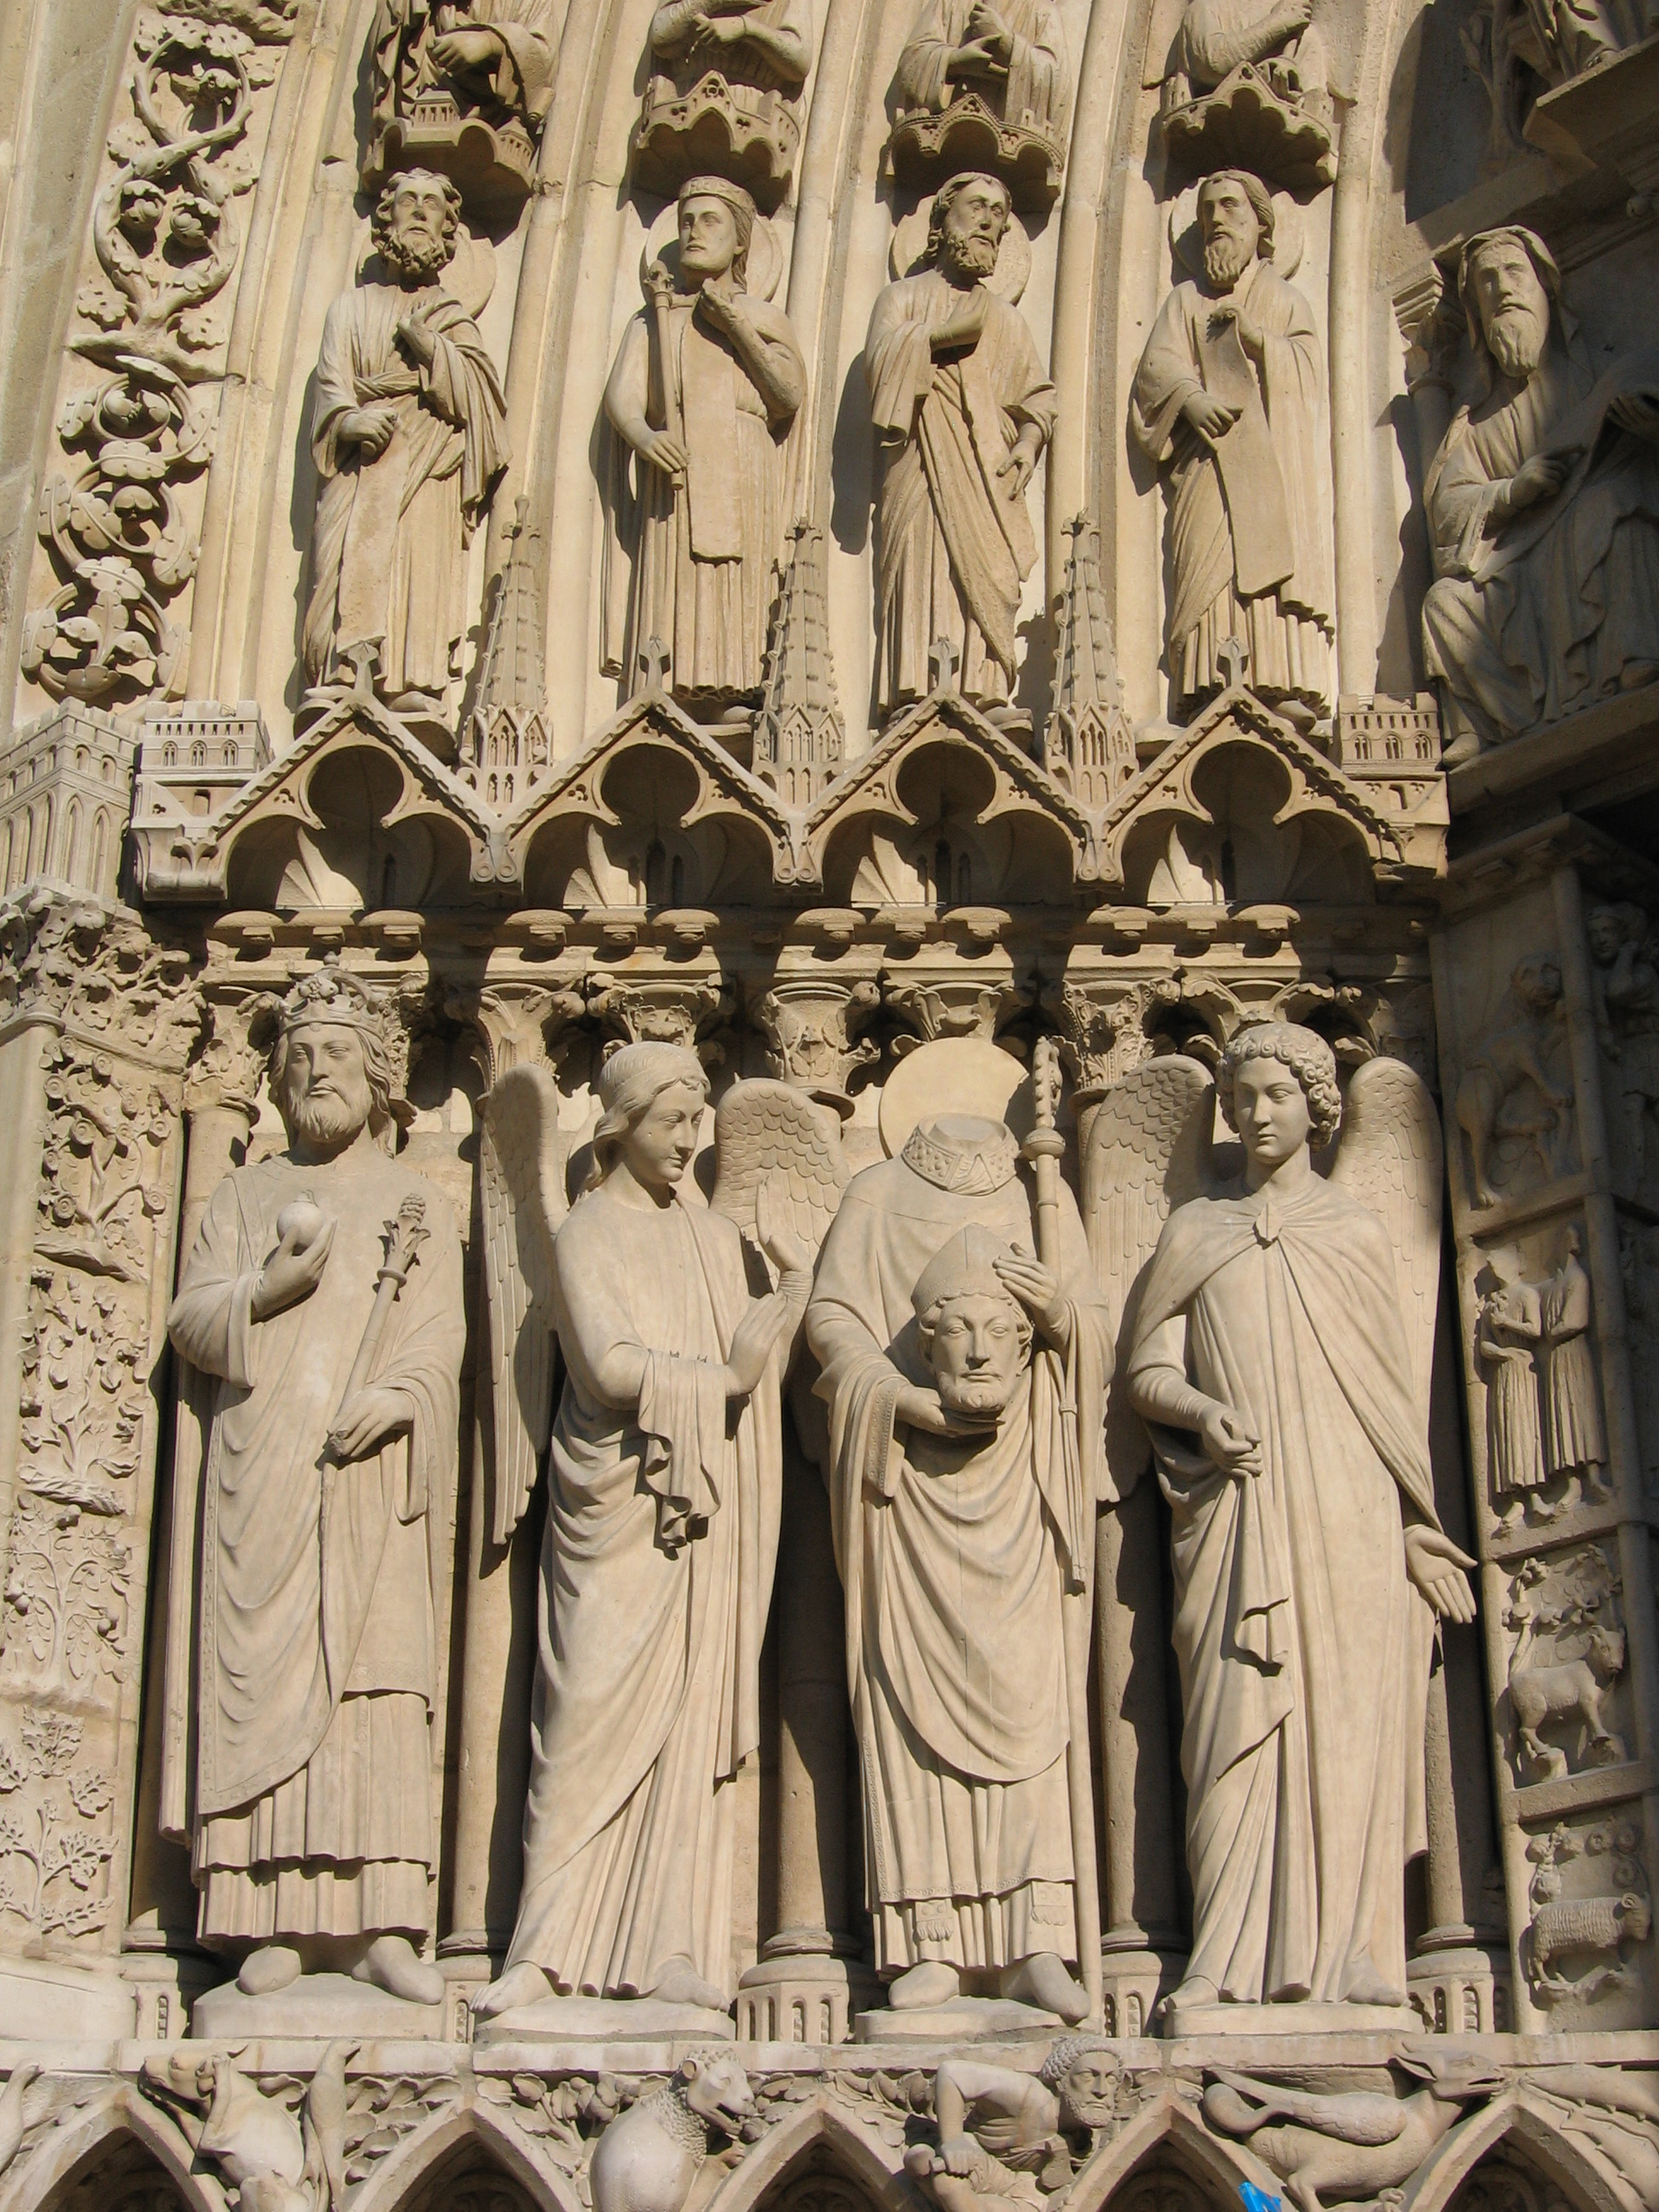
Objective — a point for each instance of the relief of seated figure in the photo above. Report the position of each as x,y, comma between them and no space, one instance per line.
1543,511
724,95
984,87
1247,84
464,88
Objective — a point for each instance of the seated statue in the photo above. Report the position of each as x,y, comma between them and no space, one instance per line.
968,59
724,93
494,57
1247,84
1543,512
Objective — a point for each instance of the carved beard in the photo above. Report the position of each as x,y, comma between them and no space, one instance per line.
415,257
976,258
1516,336
329,1120
1225,259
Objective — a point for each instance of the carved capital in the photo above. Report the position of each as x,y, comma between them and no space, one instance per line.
229,1064
95,969
515,1024
664,1010
1102,1027
969,1004
811,1024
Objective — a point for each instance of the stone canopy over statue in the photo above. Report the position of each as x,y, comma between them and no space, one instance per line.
1230,401
705,385
982,86
462,86
1248,83
963,412
724,95
323,1297
1543,510
408,436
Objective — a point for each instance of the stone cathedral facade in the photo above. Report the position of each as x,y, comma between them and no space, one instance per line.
829,1061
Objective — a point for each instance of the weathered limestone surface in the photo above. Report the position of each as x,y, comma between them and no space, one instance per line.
829,1049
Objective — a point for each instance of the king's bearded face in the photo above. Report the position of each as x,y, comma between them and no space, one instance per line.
323,1092
417,241
1514,308
976,1343
1231,230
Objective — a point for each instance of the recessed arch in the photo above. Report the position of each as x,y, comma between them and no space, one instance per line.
1167,2138
1510,2129
118,2154
817,2140
466,2140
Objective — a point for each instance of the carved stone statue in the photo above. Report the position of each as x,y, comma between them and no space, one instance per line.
974,64
1543,510
964,410
705,384
665,1481
1507,1337
965,1380
1281,1352
1626,987
724,93
494,55
409,434
1575,1431
1248,83
1006,2136
1515,1099
1230,401
324,1293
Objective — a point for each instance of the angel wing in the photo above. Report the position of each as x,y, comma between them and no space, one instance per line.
1147,1151
1389,1158
521,1161
770,1133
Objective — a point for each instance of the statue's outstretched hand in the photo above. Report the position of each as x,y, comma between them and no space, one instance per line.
366,1419
752,1340
774,1228
1437,1567
295,1268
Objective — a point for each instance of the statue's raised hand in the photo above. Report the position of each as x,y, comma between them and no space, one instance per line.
752,1341
295,1267
1437,1567
774,1227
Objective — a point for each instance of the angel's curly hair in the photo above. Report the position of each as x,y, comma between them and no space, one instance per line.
1308,1058
630,1081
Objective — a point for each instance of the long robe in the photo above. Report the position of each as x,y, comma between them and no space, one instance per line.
520,83
662,1533
703,553
1508,1336
683,53
1575,1432
1531,620
1037,93
1249,535
317,1667
1304,1649
955,1560
955,539
388,553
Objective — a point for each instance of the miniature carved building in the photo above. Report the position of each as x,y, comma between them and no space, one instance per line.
830,1043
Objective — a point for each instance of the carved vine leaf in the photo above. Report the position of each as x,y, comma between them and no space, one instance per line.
52,1855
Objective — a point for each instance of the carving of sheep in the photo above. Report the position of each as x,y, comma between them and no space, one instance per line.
1563,1927
1572,1689
648,2158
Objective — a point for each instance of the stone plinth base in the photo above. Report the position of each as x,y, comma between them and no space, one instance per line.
1461,1990
963,2019
1263,2019
315,2004
1132,1980
802,1997
604,2020
43,2002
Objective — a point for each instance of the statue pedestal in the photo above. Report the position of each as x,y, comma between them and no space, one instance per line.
1236,2020
314,2005
604,2020
804,1997
964,2019
1133,1978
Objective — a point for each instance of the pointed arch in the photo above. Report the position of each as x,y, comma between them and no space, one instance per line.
818,2134
1167,2130
120,2130
1510,2122
442,2145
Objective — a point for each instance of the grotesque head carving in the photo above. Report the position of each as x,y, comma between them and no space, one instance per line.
975,1335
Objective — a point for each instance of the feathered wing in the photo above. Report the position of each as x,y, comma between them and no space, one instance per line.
768,1133
1389,1158
1147,1152
521,1160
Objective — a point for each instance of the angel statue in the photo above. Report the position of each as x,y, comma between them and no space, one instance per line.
665,1481
965,1350
1286,1383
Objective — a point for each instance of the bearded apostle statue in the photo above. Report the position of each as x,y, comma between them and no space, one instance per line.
962,410
324,1297
705,384
1279,1351
1543,510
664,1482
1230,401
409,434
964,1378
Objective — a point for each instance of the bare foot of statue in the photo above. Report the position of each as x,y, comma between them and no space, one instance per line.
273,1966
1042,1980
523,1984
932,1983
1196,1990
680,1984
393,1964
1364,1984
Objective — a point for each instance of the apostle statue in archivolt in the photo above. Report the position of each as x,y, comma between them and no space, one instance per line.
965,1349
1230,401
323,1298
963,410
408,436
706,382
